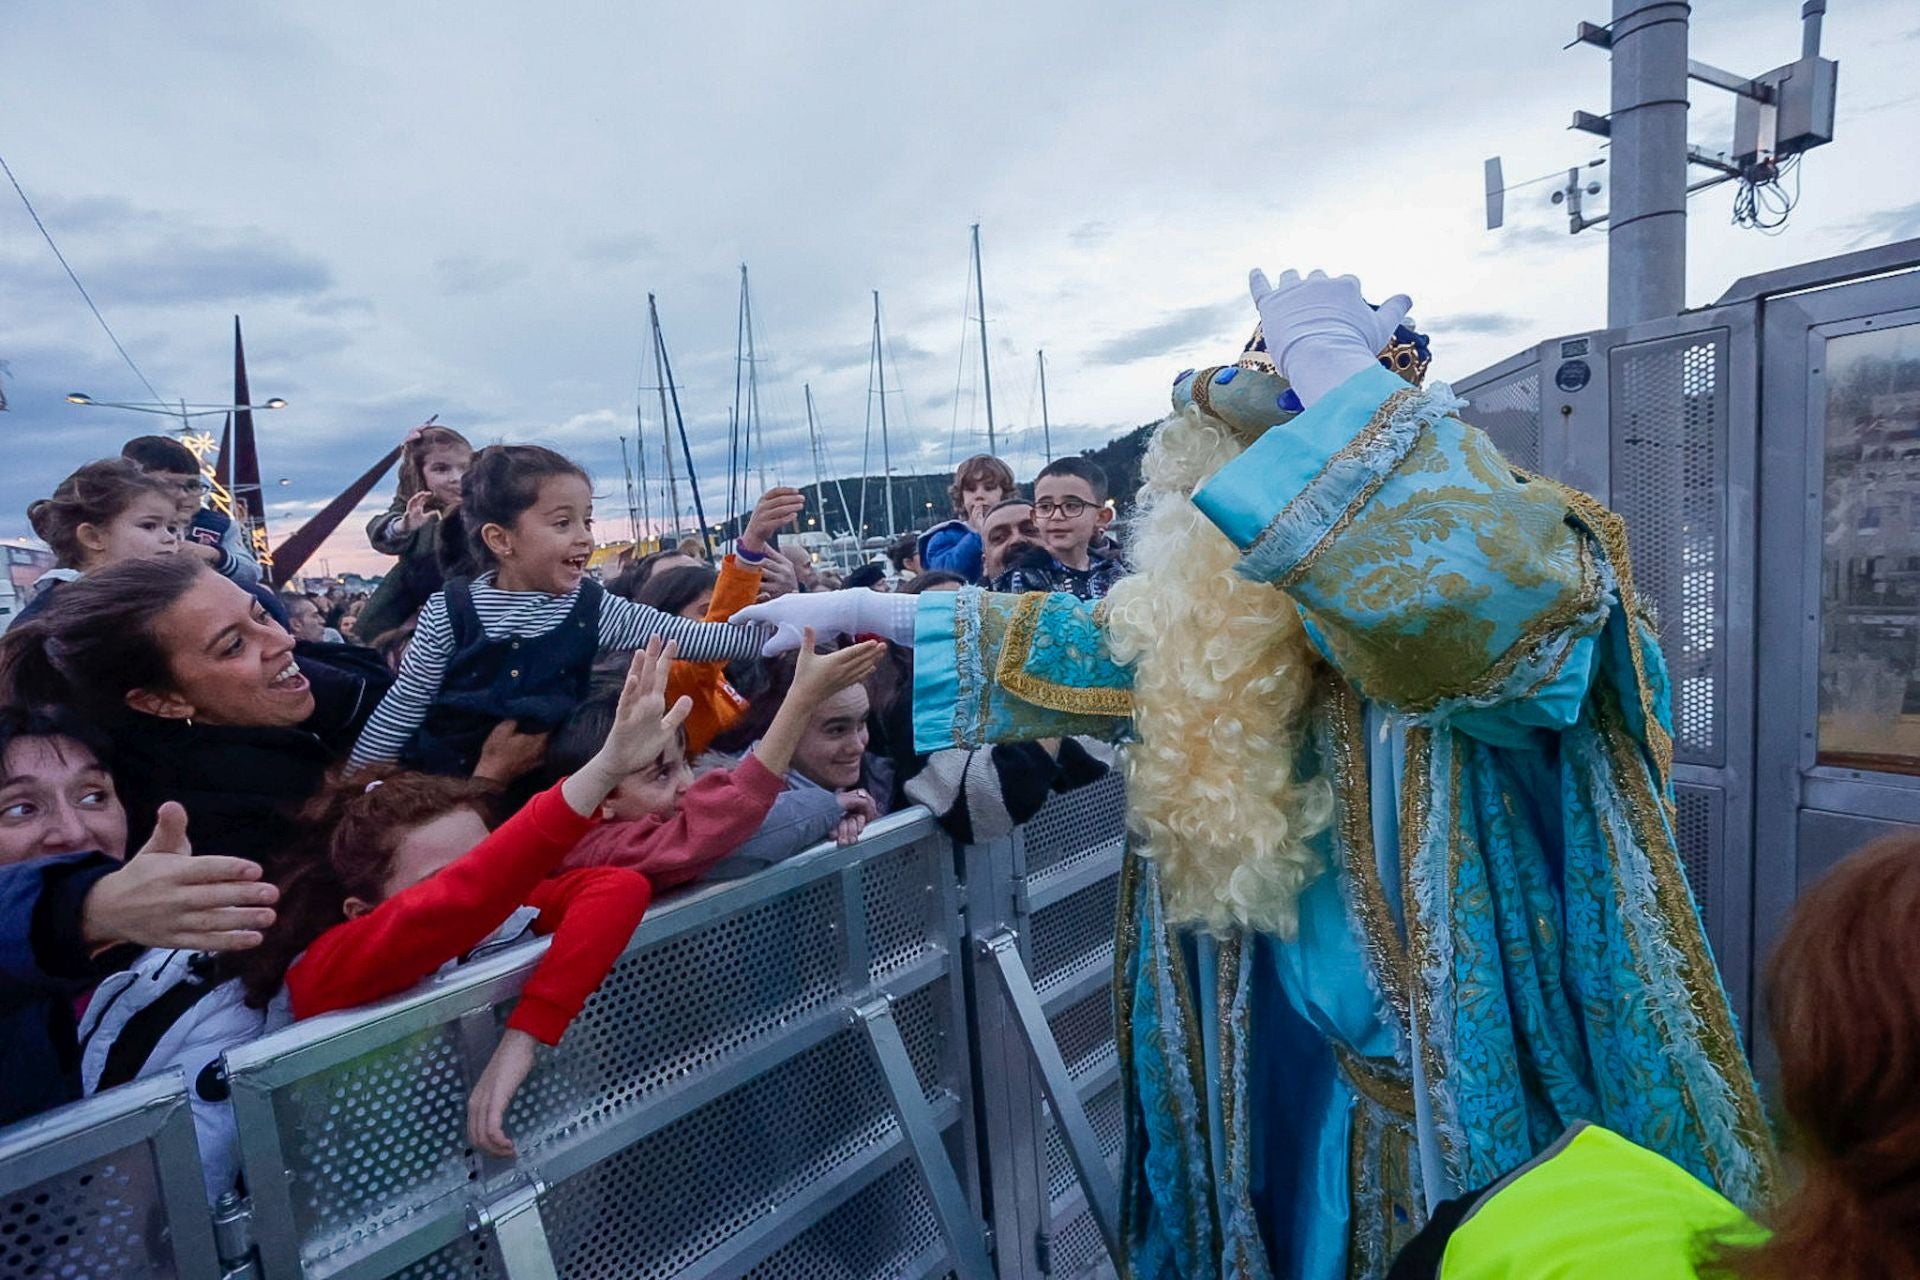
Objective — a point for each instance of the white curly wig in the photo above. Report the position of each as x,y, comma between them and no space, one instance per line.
1222,681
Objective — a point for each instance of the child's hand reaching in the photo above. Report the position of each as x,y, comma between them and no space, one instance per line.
777,508
487,1105
643,727
818,676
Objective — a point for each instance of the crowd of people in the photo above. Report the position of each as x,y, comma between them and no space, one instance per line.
231,806
225,808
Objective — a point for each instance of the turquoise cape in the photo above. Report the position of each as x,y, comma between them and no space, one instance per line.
1502,942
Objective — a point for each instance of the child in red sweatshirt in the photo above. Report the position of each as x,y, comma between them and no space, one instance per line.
661,822
411,880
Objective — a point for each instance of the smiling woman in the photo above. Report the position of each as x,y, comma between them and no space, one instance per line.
204,695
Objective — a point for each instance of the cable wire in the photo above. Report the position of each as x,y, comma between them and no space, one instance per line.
48,236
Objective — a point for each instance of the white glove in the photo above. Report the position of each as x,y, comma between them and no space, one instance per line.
856,611
1319,330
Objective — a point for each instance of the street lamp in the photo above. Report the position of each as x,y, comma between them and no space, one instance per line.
182,410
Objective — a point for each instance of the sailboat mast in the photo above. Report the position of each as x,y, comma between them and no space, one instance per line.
680,423
986,374
666,423
633,513
1046,425
886,448
736,447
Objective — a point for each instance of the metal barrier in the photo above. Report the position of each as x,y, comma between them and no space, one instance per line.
778,1079
107,1187
1042,908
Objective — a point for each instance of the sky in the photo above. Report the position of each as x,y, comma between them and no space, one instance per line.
460,208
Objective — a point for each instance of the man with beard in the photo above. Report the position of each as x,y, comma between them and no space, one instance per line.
1403,902
1009,539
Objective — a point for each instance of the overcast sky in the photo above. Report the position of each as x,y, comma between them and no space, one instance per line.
459,208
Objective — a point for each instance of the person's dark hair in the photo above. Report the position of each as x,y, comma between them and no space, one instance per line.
904,548
762,705
627,583
672,590
1004,503
980,467
1083,468
55,722
413,456
354,826
94,494
500,486
869,574
929,580
288,599
580,736
1844,1006
161,453
94,641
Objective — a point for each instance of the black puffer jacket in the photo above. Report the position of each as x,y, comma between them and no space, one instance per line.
243,787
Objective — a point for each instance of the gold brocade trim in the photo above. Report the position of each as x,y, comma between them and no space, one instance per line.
1373,1080
1570,608
1415,814
1718,1037
1382,419
1610,531
1126,944
1202,392
1010,672
1386,947
1232,1033
970,648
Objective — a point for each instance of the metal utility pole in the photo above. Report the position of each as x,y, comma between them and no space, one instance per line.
1647,244
986,373
1046,424
633,514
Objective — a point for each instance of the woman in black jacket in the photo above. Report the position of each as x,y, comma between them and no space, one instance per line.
207,699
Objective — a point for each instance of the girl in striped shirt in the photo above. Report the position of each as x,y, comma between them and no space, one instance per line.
517,641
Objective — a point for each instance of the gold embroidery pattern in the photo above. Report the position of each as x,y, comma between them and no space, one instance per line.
1202,391
1126,945
1232,1032
1415,815
1610,531
1376,426
1719,1040
1011,674
1386,1206
1353,827
1376,1080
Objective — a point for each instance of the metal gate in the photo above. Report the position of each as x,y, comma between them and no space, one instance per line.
1708,433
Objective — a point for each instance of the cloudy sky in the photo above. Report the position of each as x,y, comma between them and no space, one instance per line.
459,208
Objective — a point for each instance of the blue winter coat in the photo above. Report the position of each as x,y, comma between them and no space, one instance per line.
952,546
44,965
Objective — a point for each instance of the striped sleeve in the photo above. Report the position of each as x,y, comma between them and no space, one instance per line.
404,708
626,625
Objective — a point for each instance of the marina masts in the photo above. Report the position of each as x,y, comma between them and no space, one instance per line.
669,391
1046,425
986,373
886,448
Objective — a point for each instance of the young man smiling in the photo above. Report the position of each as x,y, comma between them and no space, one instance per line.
1071,513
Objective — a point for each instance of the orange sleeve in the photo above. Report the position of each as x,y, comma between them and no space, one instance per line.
715,704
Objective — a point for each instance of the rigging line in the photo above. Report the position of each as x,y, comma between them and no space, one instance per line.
87,297
960,367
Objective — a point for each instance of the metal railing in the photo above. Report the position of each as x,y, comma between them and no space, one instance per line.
778,1078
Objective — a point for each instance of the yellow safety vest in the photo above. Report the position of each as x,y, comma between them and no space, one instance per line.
1594,1205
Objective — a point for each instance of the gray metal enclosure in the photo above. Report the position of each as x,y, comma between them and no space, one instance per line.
1765,452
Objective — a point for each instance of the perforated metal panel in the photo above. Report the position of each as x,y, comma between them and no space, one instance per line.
1074,934
1078,1251
881,1233
1669,481
1106,1112
1075,825
1697,832
1084,1031
679,1193
98,1220
1509,412
472,1257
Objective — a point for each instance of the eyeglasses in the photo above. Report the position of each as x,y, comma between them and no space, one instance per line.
195,485
1071,508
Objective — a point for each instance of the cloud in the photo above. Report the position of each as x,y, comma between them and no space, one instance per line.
467,273
1178,331
616,251
1491,323
1885,226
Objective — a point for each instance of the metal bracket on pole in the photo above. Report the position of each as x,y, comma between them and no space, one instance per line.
965,1239
1083,1148
514,1219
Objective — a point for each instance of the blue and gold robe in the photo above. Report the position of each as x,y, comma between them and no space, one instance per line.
1502,943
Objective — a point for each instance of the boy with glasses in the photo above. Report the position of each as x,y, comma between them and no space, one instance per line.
1071,513
204,532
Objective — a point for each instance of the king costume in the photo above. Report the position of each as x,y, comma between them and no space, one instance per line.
1484,935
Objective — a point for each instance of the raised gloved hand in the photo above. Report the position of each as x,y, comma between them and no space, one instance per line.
856,611
1319,330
